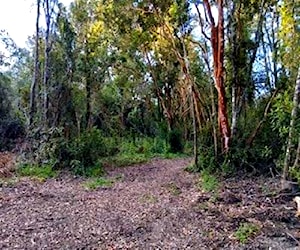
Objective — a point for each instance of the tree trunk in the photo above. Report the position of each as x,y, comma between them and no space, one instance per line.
217,41
195,143
47,63
285,173
36,68
234,111
213,112
234,44
88,101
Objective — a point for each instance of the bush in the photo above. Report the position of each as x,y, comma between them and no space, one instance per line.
208,182
175,141
10,131
84,153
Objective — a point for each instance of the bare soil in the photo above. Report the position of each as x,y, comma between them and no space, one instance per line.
156,205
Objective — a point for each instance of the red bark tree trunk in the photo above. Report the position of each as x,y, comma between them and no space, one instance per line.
217,42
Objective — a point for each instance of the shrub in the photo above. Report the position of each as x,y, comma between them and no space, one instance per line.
85,152
175,141
10,131
208,182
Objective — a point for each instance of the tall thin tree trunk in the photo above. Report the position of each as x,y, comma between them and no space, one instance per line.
186,69
193,104
213,119
233,30
47,63
213,112
88,86
88,101
285,173
234,111
36,68
217,41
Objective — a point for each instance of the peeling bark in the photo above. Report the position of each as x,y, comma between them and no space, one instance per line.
217,42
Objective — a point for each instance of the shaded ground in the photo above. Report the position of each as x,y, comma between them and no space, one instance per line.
152,206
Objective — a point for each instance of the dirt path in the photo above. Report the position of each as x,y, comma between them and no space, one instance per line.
152,206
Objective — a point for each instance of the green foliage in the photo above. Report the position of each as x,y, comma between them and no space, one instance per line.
245,231
41,172
208,182
280,114
95,183
11,127
175,141
128,72
137,151
11,130
87,171
83,153
207,159
295,173
123,160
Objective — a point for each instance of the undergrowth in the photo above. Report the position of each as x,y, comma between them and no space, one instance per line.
87,155
245,231
40,172
95,183
208,182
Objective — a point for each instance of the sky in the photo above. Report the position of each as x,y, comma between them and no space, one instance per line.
17,17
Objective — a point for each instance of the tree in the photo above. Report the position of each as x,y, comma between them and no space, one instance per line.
35,78
290,36
218,46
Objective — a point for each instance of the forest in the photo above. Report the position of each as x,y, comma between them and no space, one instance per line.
183,111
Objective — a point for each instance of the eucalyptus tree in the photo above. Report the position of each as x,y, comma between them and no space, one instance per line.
49,11
145,32
36,74
290,35
91,49
245,33
218,47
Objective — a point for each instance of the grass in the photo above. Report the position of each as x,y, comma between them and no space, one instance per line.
173,189
208,182
245,231
139,151
40,172
95,183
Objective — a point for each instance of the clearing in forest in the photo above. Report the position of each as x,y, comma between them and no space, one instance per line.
156,205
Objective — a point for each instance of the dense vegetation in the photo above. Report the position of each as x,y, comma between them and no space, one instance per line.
117,82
